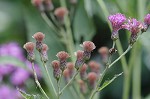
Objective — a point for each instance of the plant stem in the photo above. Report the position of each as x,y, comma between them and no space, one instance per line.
37,82
127,50
58,86
69,82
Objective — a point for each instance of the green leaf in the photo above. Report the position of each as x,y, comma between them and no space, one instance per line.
107,82
29,96
83,26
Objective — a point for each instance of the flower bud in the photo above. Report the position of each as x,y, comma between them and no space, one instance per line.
44,53
104,53
116,21
92,77
83,73
48,5
88,47
29,47
62,56
79,62
56,69
38,4
146,23
95,67
66,75
39,37
70,67
60,14
83,87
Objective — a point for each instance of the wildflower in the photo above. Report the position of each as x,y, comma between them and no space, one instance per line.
66,75
79,62
83,74
116,21
88,47
95,67
39,37
44,53
56,69
38,4
92,77
146,23
70,67
134,27
82,85
29,47
60,14
48,5
62,56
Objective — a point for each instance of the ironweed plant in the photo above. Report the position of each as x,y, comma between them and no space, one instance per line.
90,79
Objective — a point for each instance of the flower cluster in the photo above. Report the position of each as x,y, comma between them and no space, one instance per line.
17,75
119,21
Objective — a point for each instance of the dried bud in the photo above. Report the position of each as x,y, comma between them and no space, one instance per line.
48,5
112,51
29,46
62,56
82,85
80,61
92,77
116,21
70,67
60,13
134,27
38,4
39,37
83,73
44,53
88,47
56,69
66,75
95,67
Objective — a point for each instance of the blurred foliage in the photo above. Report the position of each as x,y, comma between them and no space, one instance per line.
19,20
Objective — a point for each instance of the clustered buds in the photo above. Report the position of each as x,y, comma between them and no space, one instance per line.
29,47
60,13
62,57
43,5
117,21
95,67
88,47
56,69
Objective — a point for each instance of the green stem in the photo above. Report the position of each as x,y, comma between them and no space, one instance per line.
127,50
37,82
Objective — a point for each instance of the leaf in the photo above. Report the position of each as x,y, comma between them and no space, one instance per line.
12,60
29,96
107,82
83,26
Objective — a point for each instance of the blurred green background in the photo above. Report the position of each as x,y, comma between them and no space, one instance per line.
19,20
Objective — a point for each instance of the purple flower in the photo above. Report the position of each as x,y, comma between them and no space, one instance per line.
134,27
147,19
6,69
116,21
19,76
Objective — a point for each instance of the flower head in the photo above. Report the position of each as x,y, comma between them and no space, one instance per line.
147,19
94,66
48,5
29,46
117,21
39,36
60,12
55,64
38,4
44,55
62,55
88,46
45,48
103,51
79,54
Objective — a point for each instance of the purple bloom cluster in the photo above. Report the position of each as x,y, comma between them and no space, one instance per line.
18,76
147,19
